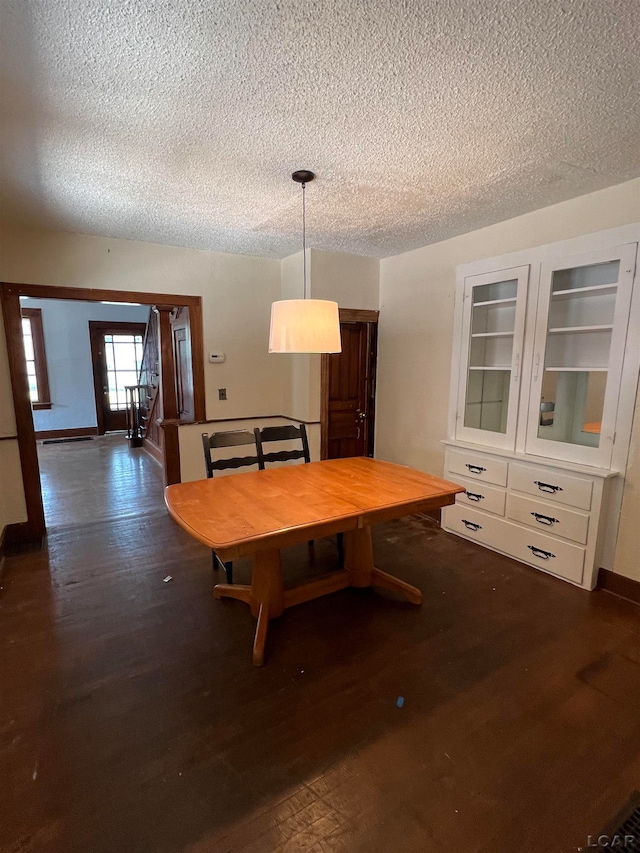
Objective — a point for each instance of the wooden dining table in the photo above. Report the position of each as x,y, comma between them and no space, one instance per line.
257,513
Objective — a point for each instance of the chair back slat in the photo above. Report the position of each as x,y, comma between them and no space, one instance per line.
230,438
234,462
282,433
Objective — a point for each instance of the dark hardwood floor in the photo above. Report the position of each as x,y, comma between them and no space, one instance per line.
85,482
131,718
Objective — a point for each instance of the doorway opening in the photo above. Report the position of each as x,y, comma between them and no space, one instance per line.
115,363
116,359
348,388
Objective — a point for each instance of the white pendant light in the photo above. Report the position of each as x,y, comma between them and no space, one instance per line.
304,325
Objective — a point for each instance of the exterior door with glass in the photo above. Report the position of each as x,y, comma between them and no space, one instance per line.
493,317
116,352
581,330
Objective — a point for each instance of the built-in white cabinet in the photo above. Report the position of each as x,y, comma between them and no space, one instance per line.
544,378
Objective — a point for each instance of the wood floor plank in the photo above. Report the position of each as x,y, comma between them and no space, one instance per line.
131,718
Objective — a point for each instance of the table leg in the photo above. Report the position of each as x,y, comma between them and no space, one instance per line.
267,597
358,556
411,593
261,636
227,590
362,573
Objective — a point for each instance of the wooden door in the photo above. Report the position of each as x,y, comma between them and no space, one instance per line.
184,373
116,353
349,392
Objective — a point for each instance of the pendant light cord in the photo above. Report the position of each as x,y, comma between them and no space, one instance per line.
304,245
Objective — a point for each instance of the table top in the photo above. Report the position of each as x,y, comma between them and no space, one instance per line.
238,514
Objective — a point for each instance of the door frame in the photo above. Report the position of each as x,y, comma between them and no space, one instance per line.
347,315
10,294
96,330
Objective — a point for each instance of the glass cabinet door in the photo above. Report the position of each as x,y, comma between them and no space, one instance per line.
583,311
493,327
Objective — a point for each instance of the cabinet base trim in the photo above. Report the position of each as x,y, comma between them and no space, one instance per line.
619,585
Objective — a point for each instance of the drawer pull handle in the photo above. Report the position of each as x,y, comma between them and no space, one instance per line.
548,488
538,552
545,519
475,469
474,497
471,525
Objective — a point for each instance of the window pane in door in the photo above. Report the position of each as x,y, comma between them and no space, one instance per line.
123,355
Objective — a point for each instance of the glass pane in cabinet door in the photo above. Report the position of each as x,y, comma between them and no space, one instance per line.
487,402
577,350
493,312
572,406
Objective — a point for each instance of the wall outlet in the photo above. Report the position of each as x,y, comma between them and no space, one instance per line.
222,393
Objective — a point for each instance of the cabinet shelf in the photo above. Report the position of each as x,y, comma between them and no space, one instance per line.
492,335
577,369
592,290
511,300
490,367
562,330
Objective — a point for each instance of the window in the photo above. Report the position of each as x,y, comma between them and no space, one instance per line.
35,357
123,354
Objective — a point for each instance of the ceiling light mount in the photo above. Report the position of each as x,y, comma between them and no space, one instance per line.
303,176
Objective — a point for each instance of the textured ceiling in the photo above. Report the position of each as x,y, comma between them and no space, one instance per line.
180,121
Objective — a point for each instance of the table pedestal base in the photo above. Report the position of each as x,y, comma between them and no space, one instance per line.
268,599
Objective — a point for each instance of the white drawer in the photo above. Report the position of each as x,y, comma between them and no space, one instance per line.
477,466
544,552
548,517
479,495
483,528
552,485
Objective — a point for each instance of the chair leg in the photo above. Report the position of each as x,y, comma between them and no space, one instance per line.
228,567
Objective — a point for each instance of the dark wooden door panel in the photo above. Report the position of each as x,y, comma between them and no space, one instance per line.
184,373
350,390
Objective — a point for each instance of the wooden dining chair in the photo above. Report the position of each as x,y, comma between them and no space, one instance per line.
288,433
231,438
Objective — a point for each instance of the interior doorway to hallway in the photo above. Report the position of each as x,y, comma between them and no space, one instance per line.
22,382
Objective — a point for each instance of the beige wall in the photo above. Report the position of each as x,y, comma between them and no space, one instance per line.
350,280
416,324
236,291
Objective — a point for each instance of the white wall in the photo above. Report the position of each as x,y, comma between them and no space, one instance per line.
65,325
416,340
